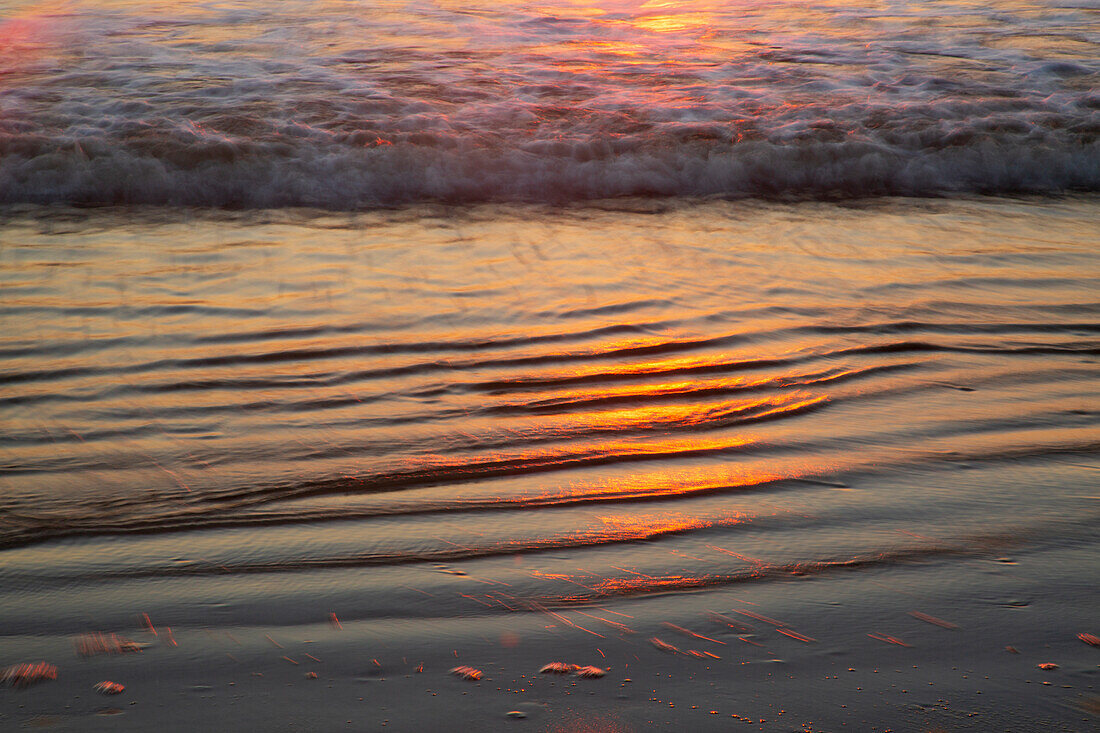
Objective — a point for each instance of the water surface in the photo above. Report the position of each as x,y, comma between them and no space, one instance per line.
599,402
525,329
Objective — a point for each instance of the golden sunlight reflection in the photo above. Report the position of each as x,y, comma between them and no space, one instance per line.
642,526
670,16
564,456
682,416
673,482
632,527
671,364
672,23
609,392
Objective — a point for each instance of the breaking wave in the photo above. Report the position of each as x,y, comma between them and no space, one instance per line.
309,106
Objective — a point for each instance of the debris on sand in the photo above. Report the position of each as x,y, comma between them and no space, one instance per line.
932,620
689,632
587,671
727,621
590,672
701,655
93,643
106,687
21,675
1089,639
758,617
467,673
889,639
795,635
664,646
1048,665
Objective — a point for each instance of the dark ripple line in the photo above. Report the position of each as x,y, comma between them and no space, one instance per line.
458,473
21,528
304,355
508,385
417,347
928,346
538,408
130,312
669,347
710,420
460,345
1000,329
976,546
566,405
44,528
714,419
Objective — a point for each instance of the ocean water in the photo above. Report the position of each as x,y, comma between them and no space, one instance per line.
355,104
515,322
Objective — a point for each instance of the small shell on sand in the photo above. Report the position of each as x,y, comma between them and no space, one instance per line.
558,668
1048,665
107,687
1089,639
590,672
21,675
467,673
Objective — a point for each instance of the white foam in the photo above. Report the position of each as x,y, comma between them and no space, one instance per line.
325,106
343,177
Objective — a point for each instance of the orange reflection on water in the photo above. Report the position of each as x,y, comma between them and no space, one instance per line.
627,49
672,482
672,23
671,364
666,16
682,416
568,455
644,526
649,584
661,389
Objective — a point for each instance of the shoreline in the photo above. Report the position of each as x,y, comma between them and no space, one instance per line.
831,674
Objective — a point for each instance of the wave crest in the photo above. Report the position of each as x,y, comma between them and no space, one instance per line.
254,174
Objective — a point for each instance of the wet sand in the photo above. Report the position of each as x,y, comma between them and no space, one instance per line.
854,651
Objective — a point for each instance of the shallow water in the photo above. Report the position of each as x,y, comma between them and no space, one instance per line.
587,404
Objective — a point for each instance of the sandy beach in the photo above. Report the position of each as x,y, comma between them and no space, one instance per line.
358,360
981,675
